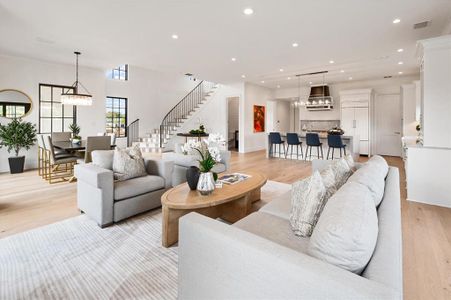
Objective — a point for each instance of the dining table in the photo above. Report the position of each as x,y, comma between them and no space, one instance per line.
70,147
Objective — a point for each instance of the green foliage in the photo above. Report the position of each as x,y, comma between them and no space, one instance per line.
75,129
206,163
17,135
418,127
201,130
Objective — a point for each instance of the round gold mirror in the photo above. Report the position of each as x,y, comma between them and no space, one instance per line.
14,104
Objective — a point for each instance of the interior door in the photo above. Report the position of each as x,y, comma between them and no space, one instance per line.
347,120
361,128
388,125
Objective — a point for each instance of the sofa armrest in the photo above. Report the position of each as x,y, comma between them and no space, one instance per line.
219,261
225,158
160,167
94,175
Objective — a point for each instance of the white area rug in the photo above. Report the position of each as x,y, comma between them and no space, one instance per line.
76,259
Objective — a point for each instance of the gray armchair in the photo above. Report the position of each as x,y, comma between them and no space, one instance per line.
107,201
182,162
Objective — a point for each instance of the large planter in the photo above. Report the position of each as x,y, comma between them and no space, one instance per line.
16,164
192,177
206,184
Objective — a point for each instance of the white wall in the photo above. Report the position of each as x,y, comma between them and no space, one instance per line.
150,94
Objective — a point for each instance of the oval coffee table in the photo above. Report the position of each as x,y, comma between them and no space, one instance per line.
230,203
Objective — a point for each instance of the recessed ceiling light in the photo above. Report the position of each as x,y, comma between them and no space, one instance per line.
400,50
331,62
396,21
400,72
310,82
342,71
248,11
295,45
233,59
262,81
350,78
400,63
243,76
288,78
281,70
174,36
278,86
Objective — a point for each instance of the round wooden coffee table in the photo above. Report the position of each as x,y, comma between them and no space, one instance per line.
230,203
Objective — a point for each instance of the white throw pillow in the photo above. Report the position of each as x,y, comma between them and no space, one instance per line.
342,172
328,177
370,176
128,163
346,232
350,161
307,202
103,158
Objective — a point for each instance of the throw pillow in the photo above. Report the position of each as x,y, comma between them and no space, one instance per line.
373,179
350,161
380,164
342,172
347,229
128,163
328,178
307,202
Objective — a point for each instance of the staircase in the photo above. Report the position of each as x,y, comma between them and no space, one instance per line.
157,140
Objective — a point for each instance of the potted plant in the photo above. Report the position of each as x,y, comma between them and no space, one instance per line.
14,136
208,155
75,129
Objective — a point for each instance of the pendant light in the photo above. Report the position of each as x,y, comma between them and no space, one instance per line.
75,97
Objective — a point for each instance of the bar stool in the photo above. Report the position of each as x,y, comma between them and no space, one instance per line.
276,139
312,140
293,140
334,142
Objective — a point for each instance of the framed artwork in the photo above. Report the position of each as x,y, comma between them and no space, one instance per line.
259,118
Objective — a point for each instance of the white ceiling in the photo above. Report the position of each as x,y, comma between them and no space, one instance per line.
357,34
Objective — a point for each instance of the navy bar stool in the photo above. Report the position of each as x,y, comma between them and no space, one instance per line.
293,140
312,140
274,140
334,142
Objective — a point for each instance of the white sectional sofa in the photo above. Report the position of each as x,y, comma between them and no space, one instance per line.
259,257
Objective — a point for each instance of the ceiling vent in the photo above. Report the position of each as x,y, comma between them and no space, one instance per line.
421,25
387,76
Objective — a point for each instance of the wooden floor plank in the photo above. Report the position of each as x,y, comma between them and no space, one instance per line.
27,202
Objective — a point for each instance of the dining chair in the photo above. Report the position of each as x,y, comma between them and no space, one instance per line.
61,136
41,155
274,140
96,143
312,140
335,142
57,166
293,140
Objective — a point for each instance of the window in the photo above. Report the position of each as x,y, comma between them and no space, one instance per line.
53,115
116,116
120,73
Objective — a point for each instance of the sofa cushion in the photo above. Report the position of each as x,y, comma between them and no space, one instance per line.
279,206
342,172
346,232
329,181
350,161
307,203
137,186
370,176
103,158
274,229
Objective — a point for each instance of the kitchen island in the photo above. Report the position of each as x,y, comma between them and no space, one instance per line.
351,146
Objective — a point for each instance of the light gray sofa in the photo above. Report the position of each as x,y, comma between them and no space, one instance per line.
107,201
259,258
182,162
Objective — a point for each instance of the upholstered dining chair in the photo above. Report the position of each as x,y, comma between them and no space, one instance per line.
335,142
293,140
61,136
312,140
274,140
96,143
57,166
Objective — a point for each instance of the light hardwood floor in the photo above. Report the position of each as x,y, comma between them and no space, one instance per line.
27,202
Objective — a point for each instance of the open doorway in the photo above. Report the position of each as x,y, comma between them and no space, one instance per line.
233,123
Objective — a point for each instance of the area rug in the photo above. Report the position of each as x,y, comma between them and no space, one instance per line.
75,259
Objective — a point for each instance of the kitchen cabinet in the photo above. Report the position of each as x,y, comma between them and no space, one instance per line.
356,116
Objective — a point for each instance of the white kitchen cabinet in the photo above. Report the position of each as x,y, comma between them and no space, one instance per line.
356,116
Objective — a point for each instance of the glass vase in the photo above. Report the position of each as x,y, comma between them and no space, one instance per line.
206,184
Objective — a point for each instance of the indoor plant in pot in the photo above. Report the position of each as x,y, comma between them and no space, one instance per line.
207,153
75,129
14,136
